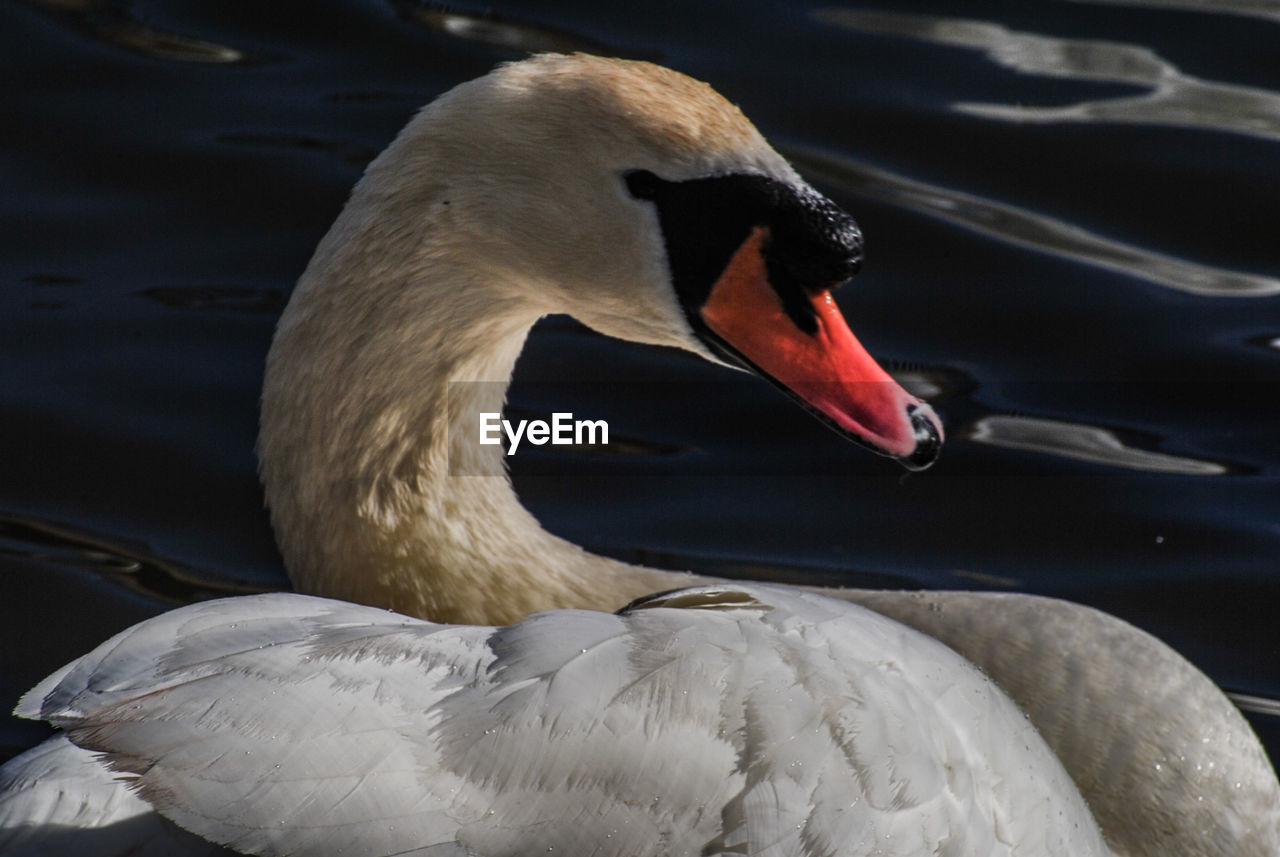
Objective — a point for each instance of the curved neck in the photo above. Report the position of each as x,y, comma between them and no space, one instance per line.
379,489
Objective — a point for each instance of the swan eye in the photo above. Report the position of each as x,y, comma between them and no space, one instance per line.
642,184
812,245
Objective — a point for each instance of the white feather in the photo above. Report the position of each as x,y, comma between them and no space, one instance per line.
787,724
58,799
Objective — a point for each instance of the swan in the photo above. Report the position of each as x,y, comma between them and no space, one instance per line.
649,208
718,719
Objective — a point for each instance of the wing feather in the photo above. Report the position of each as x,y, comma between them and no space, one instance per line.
741,720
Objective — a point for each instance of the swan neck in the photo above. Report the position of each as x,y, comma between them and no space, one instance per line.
379,488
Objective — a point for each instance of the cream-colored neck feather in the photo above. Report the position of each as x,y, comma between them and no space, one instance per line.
379,489
485,215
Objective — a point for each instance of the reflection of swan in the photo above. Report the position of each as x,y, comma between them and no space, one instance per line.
649,208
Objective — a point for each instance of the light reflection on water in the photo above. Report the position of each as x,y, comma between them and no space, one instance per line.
1266,9
115,24
1029,229
1082,443
501,32
1174,98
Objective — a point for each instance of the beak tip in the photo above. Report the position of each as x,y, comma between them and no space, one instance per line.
928,435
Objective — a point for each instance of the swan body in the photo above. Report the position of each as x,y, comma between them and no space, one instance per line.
720,719
649,208
58,799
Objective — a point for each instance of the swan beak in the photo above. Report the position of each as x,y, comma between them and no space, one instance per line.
827,370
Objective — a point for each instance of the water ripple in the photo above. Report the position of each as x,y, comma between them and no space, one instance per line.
114,24
233,298
1082,443
1029,229
132,566
351,153
1173,98
1265,9
499,32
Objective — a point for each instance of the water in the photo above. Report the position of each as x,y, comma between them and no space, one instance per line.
1070,211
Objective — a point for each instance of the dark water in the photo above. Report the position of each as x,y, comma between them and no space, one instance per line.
1071,211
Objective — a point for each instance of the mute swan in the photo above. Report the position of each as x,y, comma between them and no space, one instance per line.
731,719
649,208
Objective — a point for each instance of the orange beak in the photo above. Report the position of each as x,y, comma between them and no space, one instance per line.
828,371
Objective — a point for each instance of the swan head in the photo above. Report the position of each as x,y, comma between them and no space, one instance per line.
648,207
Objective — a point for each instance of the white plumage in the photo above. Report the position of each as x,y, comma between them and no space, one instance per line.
750,719
57,800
